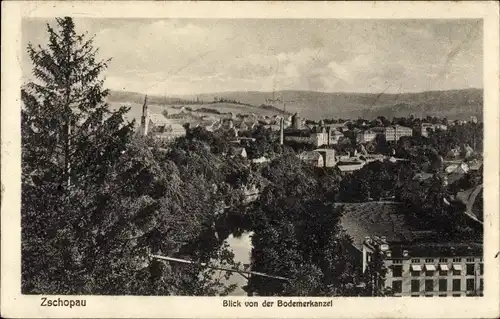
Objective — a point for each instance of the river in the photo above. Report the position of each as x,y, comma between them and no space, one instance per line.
242,248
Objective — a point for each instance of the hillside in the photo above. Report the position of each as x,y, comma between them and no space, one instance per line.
138,98
454,104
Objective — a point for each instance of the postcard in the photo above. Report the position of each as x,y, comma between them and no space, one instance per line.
250,159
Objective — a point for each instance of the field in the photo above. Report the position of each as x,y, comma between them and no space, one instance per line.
216,110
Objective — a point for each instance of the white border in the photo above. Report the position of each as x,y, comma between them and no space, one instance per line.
13,304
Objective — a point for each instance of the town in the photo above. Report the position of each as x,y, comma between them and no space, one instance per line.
140,194
343,145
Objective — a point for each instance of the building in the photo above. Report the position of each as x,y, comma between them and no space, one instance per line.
334,136
429,269
261,160
393,133
350,167
328,156
417,264
401,131
296,122
341,127
426,127
366,136
313,158
315,137
158,126
272,127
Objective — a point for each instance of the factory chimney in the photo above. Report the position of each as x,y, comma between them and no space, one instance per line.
282,127
144,117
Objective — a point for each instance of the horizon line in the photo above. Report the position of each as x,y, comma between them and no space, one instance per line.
276,91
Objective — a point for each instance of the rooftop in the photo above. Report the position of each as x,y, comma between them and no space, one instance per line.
350,167
310,156
159,119
428,249
362,220
468,197
375,219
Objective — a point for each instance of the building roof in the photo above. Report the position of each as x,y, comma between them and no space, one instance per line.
468,197
436,249
310,156
361,220
383,221
295,132
328,150
378,129
159,119
401,126
350,167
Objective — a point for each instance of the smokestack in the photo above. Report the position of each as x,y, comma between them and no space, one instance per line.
282,127
144,117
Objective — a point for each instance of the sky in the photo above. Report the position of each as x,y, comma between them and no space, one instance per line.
194,56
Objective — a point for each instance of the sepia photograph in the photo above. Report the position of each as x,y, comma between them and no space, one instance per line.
251,157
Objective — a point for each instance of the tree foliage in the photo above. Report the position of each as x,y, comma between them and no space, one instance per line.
374,276
297,235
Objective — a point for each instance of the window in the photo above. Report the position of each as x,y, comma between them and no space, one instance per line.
457,270
397,286
429,260
397,271
456,284
415,270
429,285
470,260
457,260
415,261
457,295
481,284
470,269
428,295
443,270
443,260
397,261
443,295
415,295
443,285
415,285
470,284
481,269
429,273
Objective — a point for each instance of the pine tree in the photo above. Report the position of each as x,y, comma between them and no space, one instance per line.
65,118
71,142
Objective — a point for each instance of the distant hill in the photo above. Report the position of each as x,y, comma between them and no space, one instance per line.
453,104
173,105
138,98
